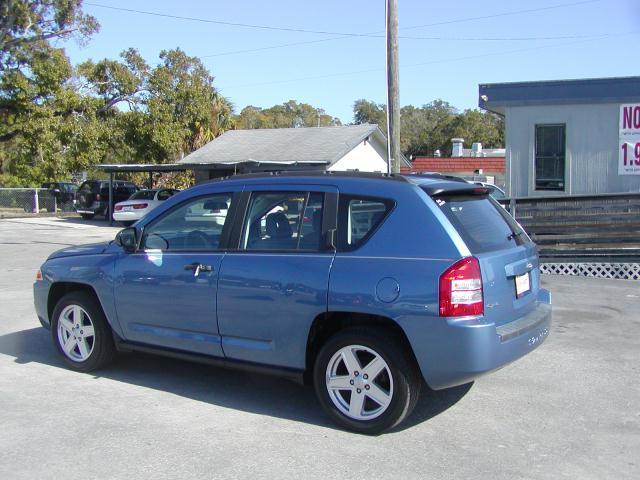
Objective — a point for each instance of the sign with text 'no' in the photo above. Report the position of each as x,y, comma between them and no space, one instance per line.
629,143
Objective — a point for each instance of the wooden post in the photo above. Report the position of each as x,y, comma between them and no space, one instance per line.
393,88
109,207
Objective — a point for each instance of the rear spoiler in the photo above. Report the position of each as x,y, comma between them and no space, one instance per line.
451,188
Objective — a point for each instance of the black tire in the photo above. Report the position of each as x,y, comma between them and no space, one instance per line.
127,224
87,216
402,367
102,347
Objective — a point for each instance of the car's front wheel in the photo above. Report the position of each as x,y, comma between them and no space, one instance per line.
81,333
87,216
366,382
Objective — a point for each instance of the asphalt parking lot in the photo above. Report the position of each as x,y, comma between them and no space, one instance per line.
570,409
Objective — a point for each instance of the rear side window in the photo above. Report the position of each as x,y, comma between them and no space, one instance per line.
166,194
481,222
358,217
284,221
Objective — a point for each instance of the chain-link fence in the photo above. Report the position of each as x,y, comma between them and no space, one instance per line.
20,201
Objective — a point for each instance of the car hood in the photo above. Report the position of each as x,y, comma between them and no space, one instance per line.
89,249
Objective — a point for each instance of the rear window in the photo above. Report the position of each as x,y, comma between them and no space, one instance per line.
481,222
358,217
143,195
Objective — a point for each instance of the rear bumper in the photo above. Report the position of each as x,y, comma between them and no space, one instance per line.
129,216
94,209
456,351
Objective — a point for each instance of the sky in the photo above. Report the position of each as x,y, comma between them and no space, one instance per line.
449,47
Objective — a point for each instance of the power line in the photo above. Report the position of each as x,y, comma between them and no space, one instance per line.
231,24
450,39
503,14
325,32
430,62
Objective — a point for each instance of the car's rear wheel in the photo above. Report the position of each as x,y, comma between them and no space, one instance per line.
127,223
87,216
365,382
81,333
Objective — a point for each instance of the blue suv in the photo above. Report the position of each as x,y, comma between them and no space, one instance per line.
362,284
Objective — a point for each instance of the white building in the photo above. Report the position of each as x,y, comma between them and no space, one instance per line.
343,148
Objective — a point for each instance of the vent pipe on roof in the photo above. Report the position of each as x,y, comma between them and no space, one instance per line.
437,154
476,149
458,145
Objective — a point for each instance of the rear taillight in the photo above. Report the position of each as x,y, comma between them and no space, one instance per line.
461,289
140,206
117,208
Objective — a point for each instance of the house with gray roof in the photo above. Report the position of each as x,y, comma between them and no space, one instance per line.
341,148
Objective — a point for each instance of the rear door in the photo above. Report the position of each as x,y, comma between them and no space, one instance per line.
508,258
274,283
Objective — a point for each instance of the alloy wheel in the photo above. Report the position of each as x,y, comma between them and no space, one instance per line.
76,333
359,382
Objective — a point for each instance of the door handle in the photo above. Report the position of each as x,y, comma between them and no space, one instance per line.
198,267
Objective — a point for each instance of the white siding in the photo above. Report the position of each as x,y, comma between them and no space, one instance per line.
591,149
366,157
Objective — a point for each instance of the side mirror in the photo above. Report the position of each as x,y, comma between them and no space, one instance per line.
127,238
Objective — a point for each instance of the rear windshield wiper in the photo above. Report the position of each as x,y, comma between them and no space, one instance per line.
514,235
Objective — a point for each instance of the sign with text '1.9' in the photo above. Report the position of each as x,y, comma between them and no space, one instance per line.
629,143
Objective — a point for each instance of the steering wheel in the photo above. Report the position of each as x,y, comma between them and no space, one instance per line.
198,239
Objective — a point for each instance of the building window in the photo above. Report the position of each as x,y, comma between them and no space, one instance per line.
550,154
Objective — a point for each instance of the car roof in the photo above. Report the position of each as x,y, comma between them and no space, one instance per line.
432,183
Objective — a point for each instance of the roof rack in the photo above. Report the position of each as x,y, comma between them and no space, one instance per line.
321,173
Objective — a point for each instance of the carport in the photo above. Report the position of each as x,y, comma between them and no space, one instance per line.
214,170
144,167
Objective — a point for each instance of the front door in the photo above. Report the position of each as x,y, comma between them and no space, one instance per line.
165,293
275,283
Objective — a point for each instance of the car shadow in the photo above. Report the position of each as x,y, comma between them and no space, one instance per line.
98,221
254,393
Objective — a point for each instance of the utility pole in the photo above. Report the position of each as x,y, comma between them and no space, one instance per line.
393,88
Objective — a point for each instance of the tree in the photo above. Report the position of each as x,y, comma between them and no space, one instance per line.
37,100
290,114
365,111
32,71
484,127
431,127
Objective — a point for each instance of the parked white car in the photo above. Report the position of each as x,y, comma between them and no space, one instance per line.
139,204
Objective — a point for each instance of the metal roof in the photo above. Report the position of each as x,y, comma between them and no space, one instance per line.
496,96
282,146
143,167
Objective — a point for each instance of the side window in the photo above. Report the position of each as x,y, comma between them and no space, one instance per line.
358,217
165,194
194,225
283,221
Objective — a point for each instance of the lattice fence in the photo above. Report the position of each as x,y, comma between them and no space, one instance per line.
622,271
